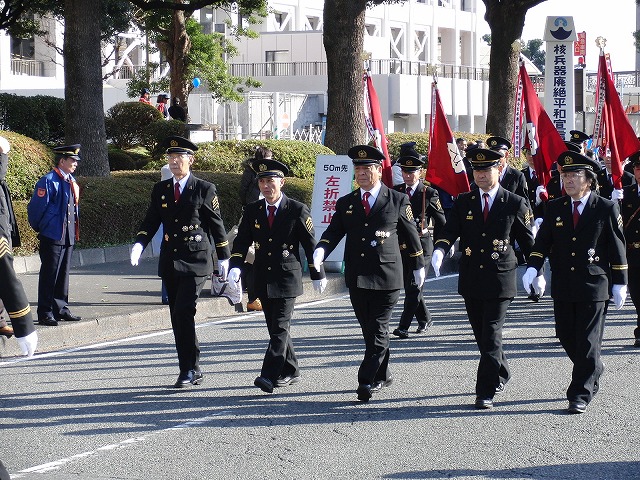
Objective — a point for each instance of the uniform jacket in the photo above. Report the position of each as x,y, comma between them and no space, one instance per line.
8,222
605,187
582,259
47,210
532,185
488,263
432,211
554,187
192,227
372,256
514,181
629,206
278,264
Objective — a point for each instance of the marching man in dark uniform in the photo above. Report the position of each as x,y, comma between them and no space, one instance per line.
372,217
12,293
277,226
606,188
189,212
630,210
582,235
485,219
53,214
425,205
511,179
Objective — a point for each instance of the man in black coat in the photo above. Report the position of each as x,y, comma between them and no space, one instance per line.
630,210
277,226
511,179
605,180
425,205
584,232
485,219
188,209
372,218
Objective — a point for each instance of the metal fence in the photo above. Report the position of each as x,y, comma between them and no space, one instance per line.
21,66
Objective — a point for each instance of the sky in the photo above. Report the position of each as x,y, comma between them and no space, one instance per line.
614,20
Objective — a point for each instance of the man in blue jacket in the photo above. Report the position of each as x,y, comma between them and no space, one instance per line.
53,214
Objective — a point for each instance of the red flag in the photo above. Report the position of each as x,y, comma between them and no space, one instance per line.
542,138
446,168
612,131
373,120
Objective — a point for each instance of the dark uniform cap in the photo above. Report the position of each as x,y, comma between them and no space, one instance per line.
365,155
481,158
177,144
576,136
409,159
71,151
634,158
470,149
268,167
574,147
144,90
570,161
498,143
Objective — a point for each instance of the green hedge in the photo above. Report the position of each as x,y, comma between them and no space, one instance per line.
40,117
28,161
126,121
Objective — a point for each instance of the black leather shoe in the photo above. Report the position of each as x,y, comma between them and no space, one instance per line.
264,384
6,331
48,321
500,387
577,407
483,403
288,380
364,392
70,318
401,333
380,384
421,329
637,343
186,379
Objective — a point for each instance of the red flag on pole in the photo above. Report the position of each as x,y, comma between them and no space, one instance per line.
612,133
446,168
373,120
542,138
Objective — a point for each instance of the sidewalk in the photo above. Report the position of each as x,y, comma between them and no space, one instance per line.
116,300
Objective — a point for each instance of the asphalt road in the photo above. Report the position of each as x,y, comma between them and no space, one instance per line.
107,411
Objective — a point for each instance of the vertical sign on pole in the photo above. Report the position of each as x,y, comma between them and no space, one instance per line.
559,99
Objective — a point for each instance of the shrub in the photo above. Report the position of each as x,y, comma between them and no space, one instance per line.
153,135
28,161
40,117
119,160
125,122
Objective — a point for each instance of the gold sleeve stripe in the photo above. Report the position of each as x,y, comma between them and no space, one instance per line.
417,254
619,267
536,254
222,244
409,213
236,255
443,240
309,224
324,240
20,313
142,232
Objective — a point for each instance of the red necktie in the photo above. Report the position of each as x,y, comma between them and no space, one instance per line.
576,213
365,202
176,191
485,209
409,191
272,214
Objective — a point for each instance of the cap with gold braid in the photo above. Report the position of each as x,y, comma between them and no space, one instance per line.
481,158
570,161
177,144
268,167
70,151
365,155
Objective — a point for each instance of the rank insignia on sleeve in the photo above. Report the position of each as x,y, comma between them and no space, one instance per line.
409,213
620,221
214,203
309,224
438,204
527,219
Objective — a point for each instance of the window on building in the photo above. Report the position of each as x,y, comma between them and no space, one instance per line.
23,48
313,23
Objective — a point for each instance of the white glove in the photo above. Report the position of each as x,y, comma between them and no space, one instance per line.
418,277
617,194
452,251
436,261
318,258
223,268
28,344
538,285
619,295
537,222
528,278
541,194
4,145
319,285
234,275
136,251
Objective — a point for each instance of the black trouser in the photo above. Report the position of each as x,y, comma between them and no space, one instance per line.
414,303
183,292
487,319
580,327
12,293
373,310
53,282
634,293
280,358
248,279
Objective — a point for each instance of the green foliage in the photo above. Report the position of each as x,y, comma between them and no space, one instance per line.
40,117
112,208
531,50
154,134
119,160
126,121
228,155
142,79
28,161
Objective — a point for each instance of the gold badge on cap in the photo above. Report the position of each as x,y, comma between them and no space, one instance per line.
262,167
494,142
362,153
174,143
409,162
480,157
568,160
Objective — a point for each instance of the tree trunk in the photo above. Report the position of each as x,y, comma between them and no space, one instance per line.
343,43
84,107
177,50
